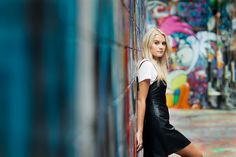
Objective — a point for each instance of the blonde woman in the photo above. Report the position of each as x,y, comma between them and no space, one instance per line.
155,134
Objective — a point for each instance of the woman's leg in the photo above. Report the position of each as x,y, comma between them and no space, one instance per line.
189,151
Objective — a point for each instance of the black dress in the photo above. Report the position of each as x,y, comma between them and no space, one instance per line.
160,138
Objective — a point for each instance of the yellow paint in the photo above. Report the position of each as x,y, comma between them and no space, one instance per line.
176,78
178,81
169,99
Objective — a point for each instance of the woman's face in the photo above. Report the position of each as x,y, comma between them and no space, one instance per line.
158,46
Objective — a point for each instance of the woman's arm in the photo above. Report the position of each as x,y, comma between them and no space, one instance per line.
142,95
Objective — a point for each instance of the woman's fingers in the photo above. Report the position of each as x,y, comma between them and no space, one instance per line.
139,147
139,142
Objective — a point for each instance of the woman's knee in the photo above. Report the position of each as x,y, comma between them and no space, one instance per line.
199,154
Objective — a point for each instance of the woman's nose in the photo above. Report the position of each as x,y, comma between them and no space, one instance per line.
161,46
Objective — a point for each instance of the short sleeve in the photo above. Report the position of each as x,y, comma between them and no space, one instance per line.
144,71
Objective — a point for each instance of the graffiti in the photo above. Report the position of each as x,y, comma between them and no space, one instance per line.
195,14
191,56
172,24
193,29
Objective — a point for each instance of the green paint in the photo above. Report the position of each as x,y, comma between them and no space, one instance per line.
220,150
176,99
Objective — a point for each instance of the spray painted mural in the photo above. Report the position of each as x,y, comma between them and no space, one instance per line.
198,35
114,42
37,78
67,77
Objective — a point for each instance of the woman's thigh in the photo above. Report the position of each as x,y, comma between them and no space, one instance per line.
189,151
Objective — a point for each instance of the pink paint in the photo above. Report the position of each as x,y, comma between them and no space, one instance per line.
171,24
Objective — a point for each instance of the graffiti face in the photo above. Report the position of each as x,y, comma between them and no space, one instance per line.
158,46
185,56
158,9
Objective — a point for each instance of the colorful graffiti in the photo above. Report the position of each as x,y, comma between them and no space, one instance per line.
195,34
37,78
119,28
67,76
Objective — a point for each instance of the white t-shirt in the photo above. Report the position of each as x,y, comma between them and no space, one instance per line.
147,71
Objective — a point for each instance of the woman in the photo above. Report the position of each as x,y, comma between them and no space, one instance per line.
155,134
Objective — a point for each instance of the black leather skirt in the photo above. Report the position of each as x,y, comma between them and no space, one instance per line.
160,138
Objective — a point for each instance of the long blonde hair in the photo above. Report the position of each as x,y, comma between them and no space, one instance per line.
161,65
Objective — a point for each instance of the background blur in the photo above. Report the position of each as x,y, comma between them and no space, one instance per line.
68,70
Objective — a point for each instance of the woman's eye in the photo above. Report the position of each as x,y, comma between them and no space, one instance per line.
157,42
164,43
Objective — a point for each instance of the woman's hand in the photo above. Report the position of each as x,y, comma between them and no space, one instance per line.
139,141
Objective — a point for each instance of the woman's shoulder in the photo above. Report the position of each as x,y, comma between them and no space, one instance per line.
144,61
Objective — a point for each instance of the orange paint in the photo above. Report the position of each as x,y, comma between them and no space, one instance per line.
183,98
